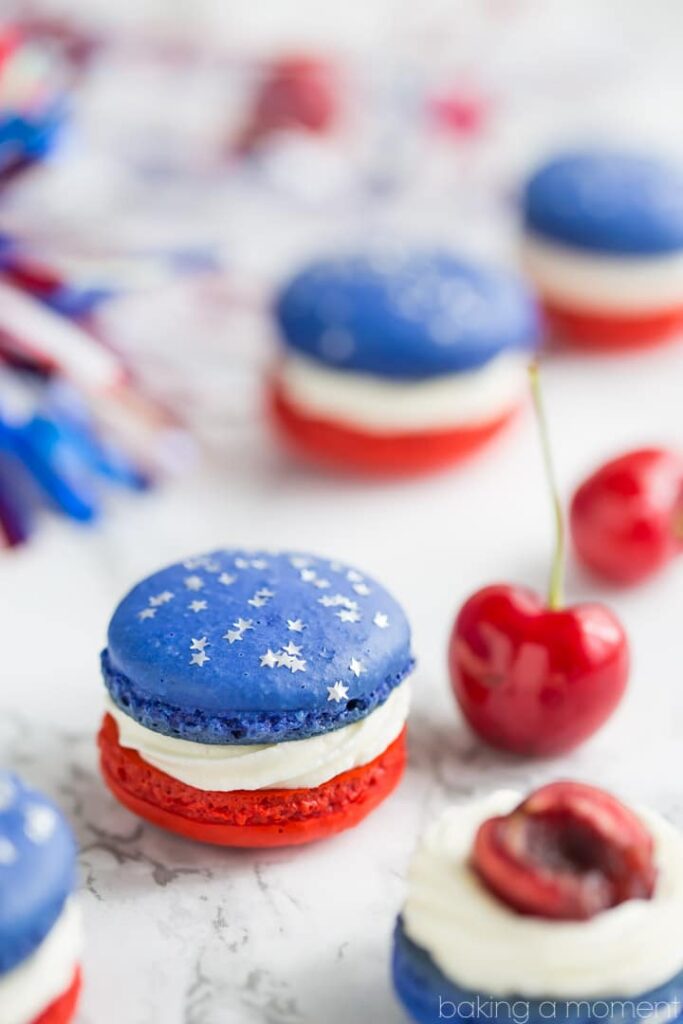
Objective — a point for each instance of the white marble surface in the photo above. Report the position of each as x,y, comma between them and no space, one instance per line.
180,934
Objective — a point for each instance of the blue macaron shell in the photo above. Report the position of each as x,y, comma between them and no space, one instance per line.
254,647
37,869
405,316
430,997
616,203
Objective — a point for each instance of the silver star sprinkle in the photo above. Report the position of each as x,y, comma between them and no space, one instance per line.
257,602
348,615
337,692
297,665
8,852
298,562
197,606
356,667
199,644
308,575
321,584
39,822
199,658
241,563
161,599
353,576
269,659
381,620
147,613
239,628
226,579
337,601
292,648
295,625
259,563
244,624
194,582
361,588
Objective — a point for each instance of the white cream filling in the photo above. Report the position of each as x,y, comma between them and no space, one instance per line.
620,284
28,989
481,944
380,406
294,764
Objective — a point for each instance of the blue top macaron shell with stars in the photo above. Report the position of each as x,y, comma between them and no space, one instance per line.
254,647
607,201
37,869
405,316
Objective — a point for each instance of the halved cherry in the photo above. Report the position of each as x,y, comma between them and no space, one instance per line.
569,851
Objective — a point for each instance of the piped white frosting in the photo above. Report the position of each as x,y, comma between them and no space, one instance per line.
28,989
383,406
295,764
628,286
481,944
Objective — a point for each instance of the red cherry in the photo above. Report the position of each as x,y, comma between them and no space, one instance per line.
298,92
568,852
627,518
535,678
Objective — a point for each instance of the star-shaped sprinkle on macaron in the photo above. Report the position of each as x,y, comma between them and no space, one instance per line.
257,602
8,852
269,659
299,562
259,563
357,667
39,823
292,648
308,575
160,599
197,606
200,658
227,579
295,625
147,613
199,644
361,588
194,582
348,615
381,620
353,576
296,665
239,629
241,563
337,692
244,624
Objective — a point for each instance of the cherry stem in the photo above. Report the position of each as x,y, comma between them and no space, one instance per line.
556,588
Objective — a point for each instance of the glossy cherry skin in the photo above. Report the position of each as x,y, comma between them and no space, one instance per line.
626,518
531,680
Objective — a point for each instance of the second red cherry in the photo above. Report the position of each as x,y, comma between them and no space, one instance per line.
627,517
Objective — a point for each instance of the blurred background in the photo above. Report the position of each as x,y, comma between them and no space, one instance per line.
153,196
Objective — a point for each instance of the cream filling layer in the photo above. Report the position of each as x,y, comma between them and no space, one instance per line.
482,945
620,284
294,764
383,406
28,990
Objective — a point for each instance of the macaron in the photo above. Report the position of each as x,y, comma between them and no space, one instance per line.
399,361
603,244
40,936
564,906
255,699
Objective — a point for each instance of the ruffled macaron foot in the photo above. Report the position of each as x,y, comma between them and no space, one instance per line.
392,454
261,818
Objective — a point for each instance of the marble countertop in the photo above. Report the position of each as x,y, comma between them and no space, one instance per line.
182,934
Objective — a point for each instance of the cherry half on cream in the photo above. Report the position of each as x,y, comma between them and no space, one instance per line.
568,852
627,517
535,677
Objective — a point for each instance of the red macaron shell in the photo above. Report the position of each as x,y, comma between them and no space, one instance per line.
343,446
61,1011
592,329
270,817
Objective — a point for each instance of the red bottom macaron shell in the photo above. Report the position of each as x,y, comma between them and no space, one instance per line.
61,1011
343,446
591,329
270,817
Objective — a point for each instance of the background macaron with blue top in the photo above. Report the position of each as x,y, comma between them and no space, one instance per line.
40,939
603,243
399,361
255,698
